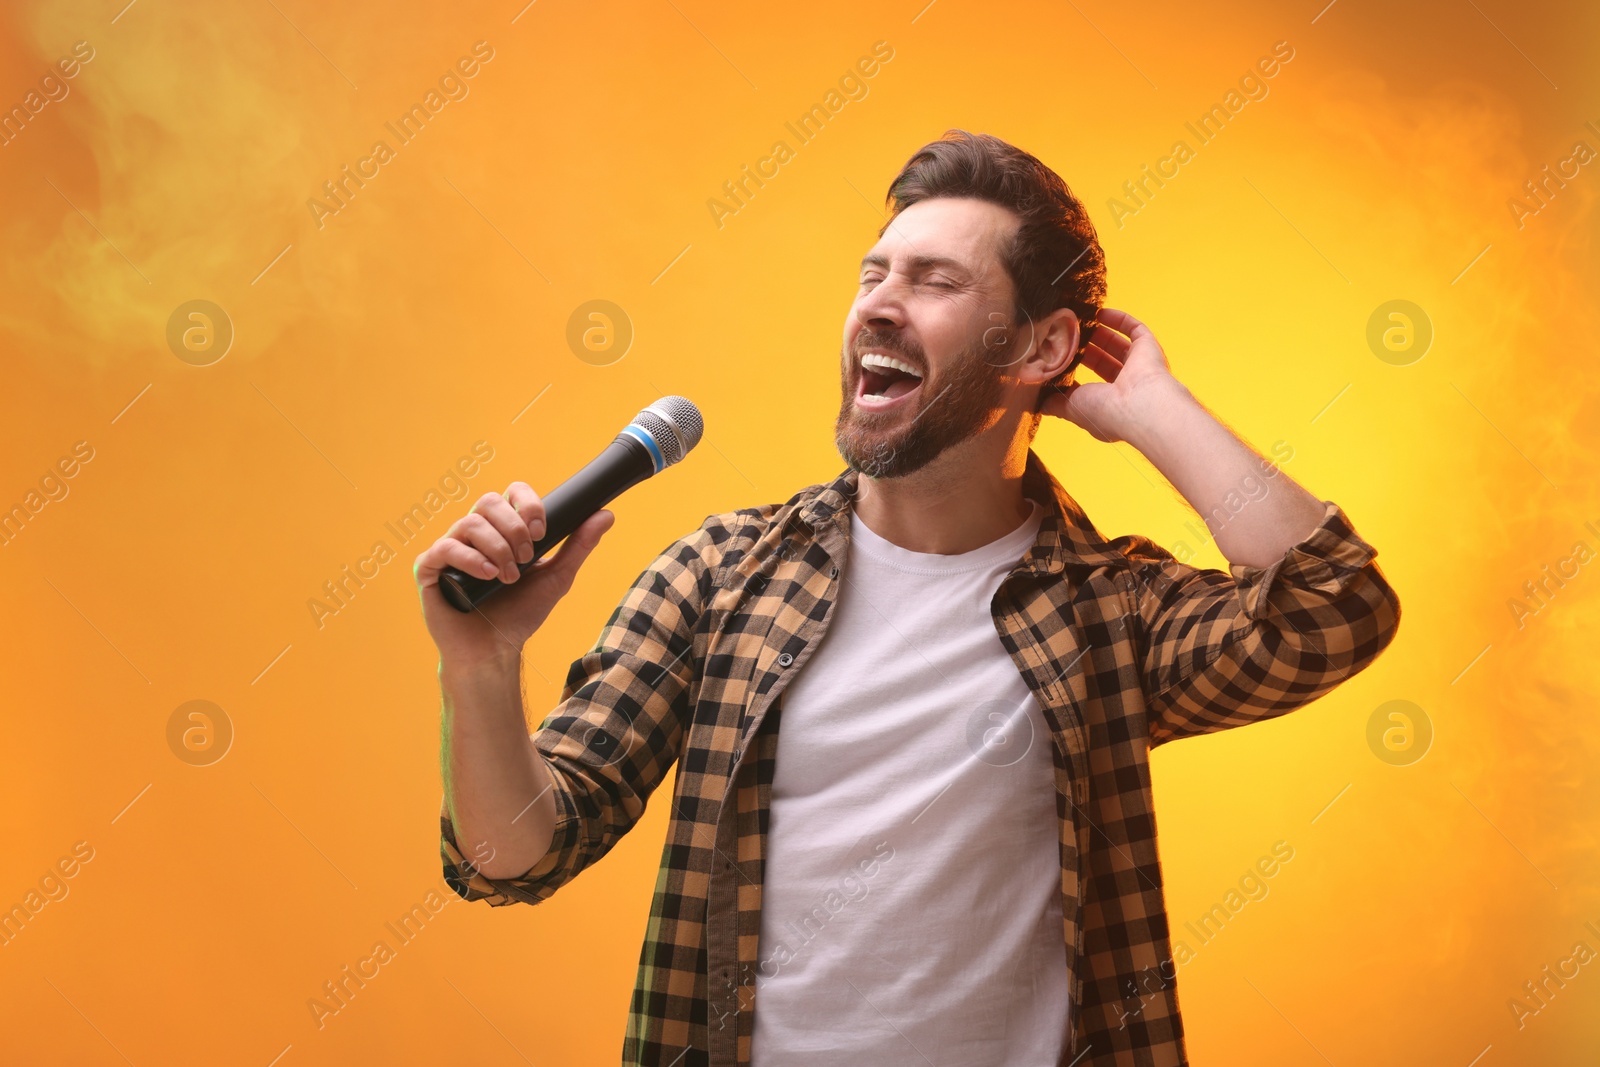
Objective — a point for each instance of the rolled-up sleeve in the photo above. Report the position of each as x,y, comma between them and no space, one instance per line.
1223,649
616,730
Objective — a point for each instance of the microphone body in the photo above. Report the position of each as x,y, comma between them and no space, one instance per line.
659,437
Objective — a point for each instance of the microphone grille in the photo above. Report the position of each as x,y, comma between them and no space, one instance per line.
674,424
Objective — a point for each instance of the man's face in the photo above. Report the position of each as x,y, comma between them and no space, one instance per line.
935,298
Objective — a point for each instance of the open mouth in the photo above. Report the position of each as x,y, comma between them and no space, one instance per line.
885,380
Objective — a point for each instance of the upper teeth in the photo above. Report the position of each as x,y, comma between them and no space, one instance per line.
878,359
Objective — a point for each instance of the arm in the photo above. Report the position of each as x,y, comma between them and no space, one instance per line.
490,767
592,765
1208,464
615,733
1305,607
496,785
1219,651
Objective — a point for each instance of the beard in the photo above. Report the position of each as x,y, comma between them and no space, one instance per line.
950,407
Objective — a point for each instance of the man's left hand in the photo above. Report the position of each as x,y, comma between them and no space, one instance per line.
1127,355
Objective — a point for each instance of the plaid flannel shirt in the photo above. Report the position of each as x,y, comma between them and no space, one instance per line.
1124,647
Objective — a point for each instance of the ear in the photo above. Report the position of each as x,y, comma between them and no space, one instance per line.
1056,340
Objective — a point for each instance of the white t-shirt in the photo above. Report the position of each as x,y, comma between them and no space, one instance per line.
911,906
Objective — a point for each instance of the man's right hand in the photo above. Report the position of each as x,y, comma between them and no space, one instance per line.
489,541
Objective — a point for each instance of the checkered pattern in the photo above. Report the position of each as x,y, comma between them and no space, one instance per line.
1124,646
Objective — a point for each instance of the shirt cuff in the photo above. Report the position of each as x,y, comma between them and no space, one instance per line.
1327,560
533,886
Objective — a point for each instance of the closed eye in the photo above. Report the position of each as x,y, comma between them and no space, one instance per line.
872,279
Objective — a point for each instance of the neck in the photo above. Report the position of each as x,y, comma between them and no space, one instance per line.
961,501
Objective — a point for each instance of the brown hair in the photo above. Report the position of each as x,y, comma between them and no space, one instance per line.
1054,259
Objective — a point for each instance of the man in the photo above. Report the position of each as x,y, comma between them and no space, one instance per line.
951,856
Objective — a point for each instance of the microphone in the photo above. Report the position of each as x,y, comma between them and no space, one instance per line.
658,437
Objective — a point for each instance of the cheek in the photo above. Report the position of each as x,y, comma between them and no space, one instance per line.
944,341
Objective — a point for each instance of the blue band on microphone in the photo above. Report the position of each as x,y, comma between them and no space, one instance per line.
639,435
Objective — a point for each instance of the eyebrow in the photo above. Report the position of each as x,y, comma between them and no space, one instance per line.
917,262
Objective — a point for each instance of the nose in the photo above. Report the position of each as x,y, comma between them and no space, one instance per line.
884,306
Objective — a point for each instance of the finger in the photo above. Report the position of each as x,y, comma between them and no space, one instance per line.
1101,362
1107,339
508,523
476,530
529,505
449,552
1121,320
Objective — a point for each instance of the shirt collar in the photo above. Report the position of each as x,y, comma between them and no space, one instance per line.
1066,536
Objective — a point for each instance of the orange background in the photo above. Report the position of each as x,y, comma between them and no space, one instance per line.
372,352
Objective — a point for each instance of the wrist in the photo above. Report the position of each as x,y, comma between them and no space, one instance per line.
495,663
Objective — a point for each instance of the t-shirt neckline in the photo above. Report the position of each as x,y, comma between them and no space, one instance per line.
1006,548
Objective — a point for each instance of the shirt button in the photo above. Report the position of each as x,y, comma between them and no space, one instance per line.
834,573
784,659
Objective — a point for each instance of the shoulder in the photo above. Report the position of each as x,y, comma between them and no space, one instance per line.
1136,551
1084,546
1072,537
